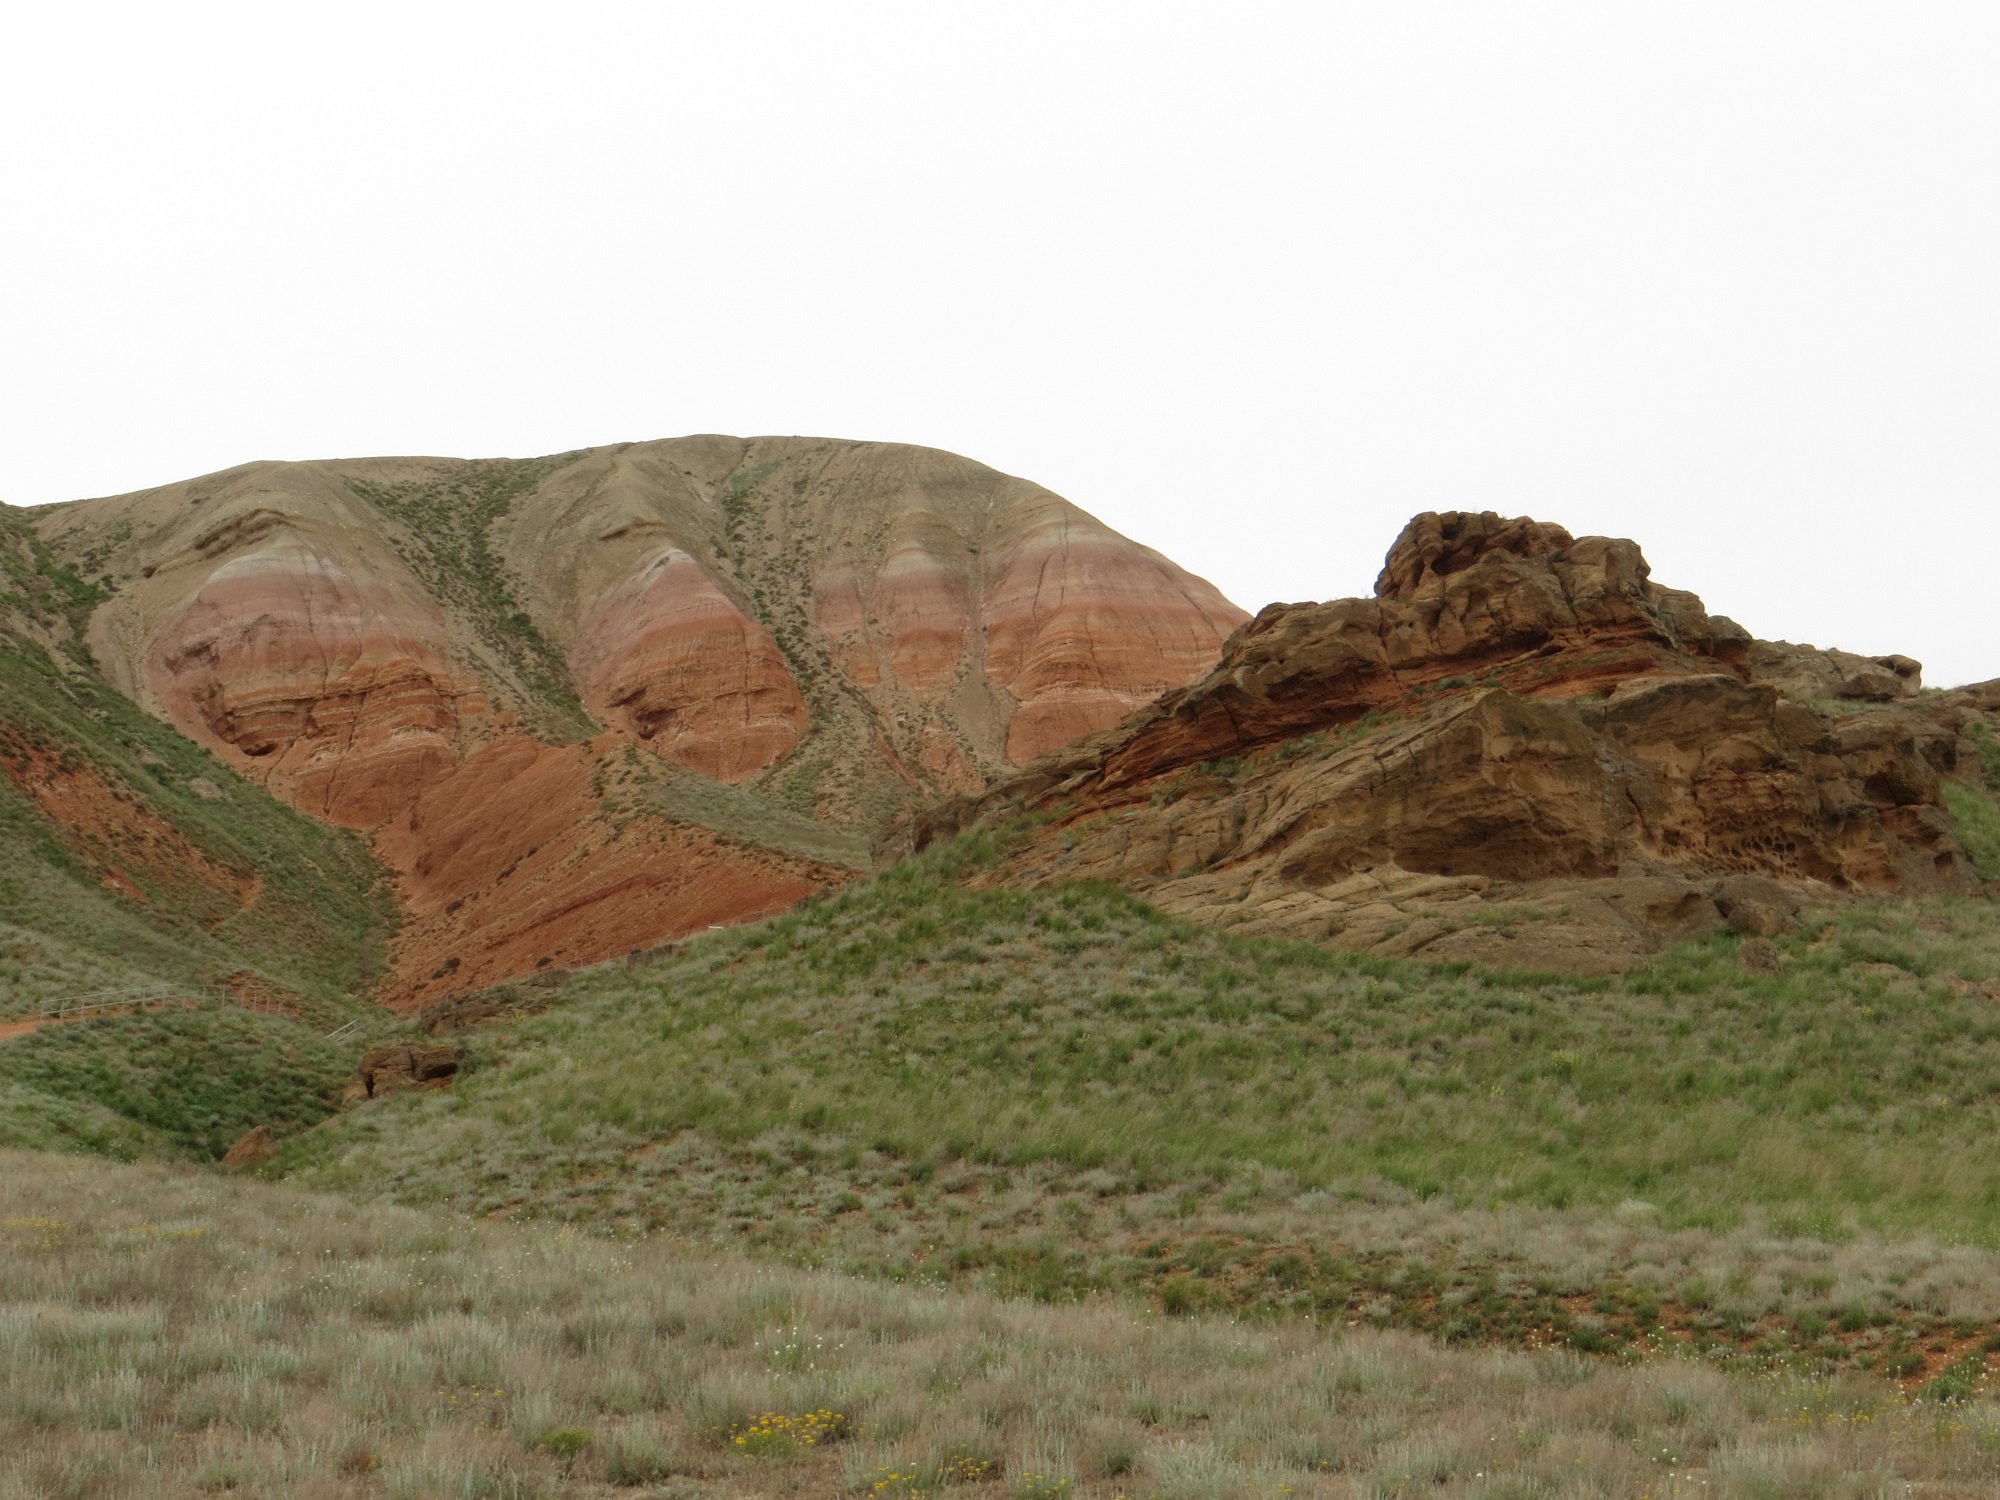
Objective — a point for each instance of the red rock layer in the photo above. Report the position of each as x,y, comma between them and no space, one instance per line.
667,654
1083,626
323,685
511,864
922,617
842,618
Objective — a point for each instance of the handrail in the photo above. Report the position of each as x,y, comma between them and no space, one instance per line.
86,1002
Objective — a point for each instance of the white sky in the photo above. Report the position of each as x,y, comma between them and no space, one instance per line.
1254,282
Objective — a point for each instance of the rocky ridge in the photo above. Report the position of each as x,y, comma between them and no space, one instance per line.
1521,750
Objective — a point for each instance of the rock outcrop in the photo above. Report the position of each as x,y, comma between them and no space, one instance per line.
396,1066
1521,750
455,657
254,1146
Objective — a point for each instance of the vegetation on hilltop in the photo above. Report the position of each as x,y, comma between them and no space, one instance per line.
169,1334
446,538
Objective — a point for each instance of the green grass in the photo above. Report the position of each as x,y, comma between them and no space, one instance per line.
166,1333
1060,1092
172,1082
1976,811
645,783
1986,747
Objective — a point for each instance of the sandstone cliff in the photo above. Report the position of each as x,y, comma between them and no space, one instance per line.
1521,750
458,656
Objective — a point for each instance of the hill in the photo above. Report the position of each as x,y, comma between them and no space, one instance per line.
589,702
1523,958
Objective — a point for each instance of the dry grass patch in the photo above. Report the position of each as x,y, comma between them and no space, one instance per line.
166,1332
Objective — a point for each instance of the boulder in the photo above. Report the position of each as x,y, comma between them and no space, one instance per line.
1807,671
1760,956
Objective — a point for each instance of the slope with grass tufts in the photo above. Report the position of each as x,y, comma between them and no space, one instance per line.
180,1082
1062,1091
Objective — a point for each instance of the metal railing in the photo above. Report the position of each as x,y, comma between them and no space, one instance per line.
110,1000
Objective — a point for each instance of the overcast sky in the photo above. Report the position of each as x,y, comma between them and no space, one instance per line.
1253,282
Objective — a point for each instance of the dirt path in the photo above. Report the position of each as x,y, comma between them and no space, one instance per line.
28,1025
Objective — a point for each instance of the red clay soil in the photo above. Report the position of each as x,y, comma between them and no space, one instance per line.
111,830
512,862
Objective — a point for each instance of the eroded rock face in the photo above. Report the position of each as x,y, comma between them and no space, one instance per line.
666,654
1807,671
1522,750
920,613
533,856
941,621
1082,627
326,684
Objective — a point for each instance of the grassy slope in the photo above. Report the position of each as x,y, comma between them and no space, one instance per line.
1061,1091
167,1083
321,914
641,782
166,1333
1975,806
